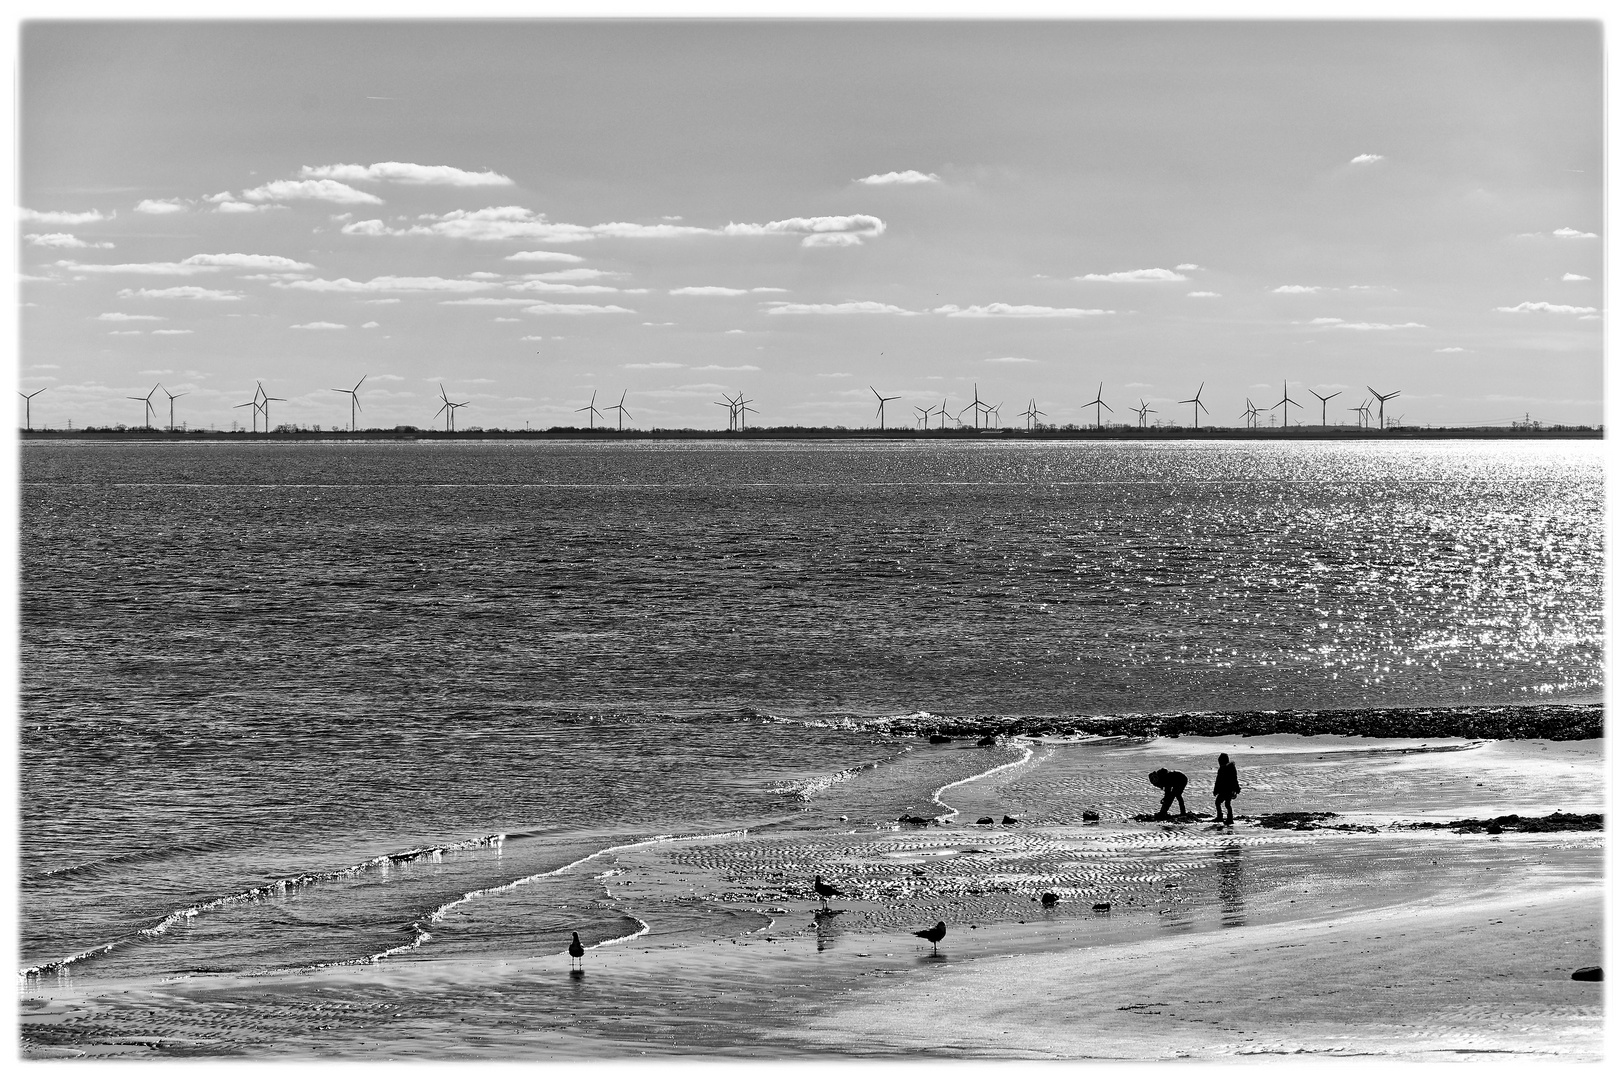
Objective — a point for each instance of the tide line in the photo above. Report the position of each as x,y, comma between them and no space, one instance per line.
935,796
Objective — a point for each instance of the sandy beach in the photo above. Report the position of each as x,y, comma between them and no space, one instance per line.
1358,935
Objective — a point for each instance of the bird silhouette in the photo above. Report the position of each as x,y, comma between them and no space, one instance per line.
576,951
825,890
933,935
1050,899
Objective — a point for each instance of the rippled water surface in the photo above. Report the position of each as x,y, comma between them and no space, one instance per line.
246,663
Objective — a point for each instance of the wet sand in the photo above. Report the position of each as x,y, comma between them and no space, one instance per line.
1217,943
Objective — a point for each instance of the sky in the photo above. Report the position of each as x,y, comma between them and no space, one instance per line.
667,213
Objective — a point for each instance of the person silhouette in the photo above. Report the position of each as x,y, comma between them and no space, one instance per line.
1227,786
1171,785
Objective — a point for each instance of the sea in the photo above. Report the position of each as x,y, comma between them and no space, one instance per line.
290,706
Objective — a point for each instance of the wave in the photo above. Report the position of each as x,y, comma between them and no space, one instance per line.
807,789
1028,751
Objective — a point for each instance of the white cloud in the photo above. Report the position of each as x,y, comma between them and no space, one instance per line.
388,300
1342,324
386,283
1016,311
159,206
375,324
910,176
578,309
544,256
1573,234
574,273
560,286
708,290
324,190
835,239
63,217
487,301
1298,289
834,375
242,208
171,331
1367,159
241,261
657,366
319,326
401,172
500,318
1187,266
123,333
180,292
768,288
61,240
1154,274
728,331
119,316
721,367
1451,348
1553,309
484,275
815,231
1573,277
1203,293
1009,360
849,307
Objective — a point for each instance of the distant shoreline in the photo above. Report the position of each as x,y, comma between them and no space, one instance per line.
1302,434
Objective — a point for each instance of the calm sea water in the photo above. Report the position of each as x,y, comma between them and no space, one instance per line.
279,702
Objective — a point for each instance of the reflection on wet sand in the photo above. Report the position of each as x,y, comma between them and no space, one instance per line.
1231,885
827,931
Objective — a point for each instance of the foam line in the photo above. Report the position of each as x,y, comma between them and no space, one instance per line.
935,796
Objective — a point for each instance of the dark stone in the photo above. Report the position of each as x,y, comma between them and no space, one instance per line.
985,821
1050,899
913,819
990,740
1101,907
1090,815
940,738
1589,974
1007,820
1494,830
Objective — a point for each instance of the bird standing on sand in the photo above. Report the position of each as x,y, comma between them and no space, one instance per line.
576,951
825,890
933,935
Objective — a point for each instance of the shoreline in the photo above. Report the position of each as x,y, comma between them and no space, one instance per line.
601,435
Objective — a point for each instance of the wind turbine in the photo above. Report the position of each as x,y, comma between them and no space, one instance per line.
591,410
1196,402
732,412
264,400
996,414
354,400
1363,413
449,408
1143,411
882,399
28,406
1031,413
253,420
1383,399
942,412
1250,414
1287,402
149,412
924,416
1099,402
743,407
620,407
172,398
1324,403
978,405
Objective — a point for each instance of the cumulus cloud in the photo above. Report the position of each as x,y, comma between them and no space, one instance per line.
322,190
656,366
574,273
516,223
319,326
910,176
401,172
1573,234
1203,293
849,307
180,292
232,207
374,324
1367,159
486,301
61,240
832,240
1342,324
723,367
708,290
560,286
1451,348
1553,309
386,283
815,231
119,316
1298,289
1010,360
1153,274
1187,266
578,309
171,331
1573,277
123,333
63,217
1016,311
544,256
238,260
159,206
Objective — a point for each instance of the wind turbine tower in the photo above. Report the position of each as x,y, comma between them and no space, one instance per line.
882,399
591,410
28,406
1196,402
619,408
1099,403
355,400
1287,402
149,411
1383,399
172,398
1324,404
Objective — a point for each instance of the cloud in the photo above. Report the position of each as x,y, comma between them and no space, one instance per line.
179,292
373,325
319,326
835,375
171,331
910,176
815,231
159,206
119,316
574,273
63,217
1009,360
1573,277
544,256
1154,274
1451,348
1342,324
578,309
1553,309
386,283
1573,234
1203,293
478,301
708,290
401,172
238,260
849,307
1294,289
560,286
61,240
1187,266
124,332
324,190
518,223
1016,311
242,208
1367,159
721,367
657,366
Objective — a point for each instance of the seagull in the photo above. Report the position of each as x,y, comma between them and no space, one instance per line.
933,935
825,890
576,951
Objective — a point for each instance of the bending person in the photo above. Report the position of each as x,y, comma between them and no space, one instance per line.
1171,785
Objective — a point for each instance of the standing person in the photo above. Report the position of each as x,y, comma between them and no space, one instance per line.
1171,785
1227,786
